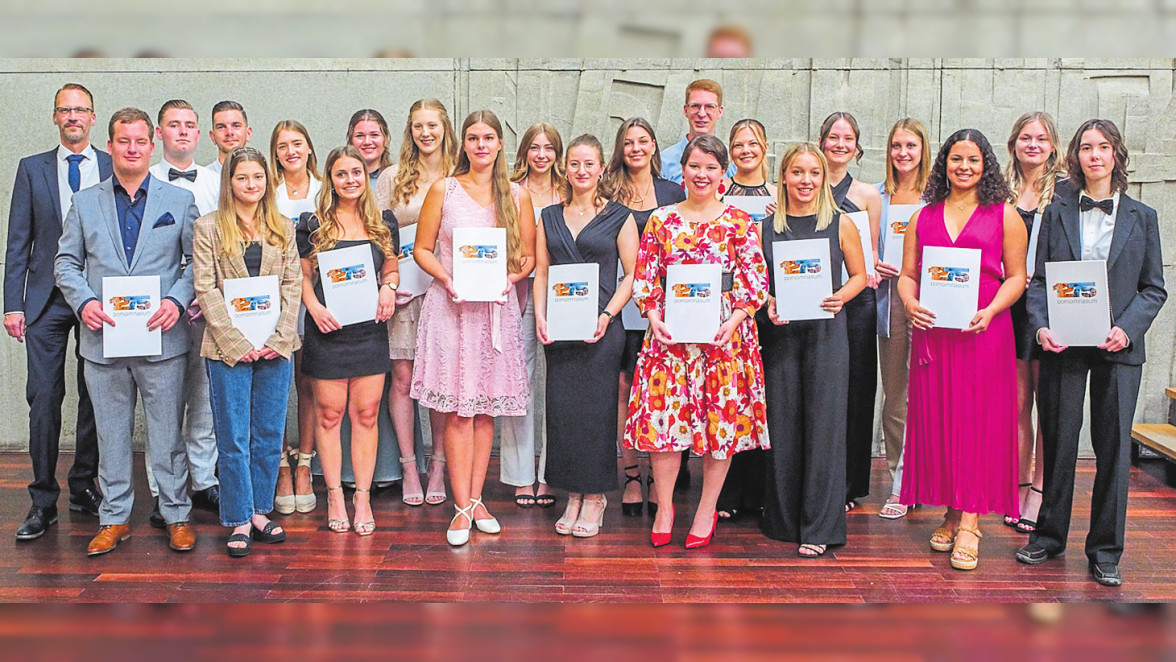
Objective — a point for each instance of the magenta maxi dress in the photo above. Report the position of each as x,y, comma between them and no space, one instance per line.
961,436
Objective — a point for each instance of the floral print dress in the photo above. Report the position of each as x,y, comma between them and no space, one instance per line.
698,396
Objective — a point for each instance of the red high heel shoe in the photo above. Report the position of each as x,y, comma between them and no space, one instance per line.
694,542
662,539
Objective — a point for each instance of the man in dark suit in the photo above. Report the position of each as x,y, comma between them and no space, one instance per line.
133,225
1098,222
36,311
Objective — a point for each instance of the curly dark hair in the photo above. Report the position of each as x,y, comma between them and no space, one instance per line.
1111,133
992,188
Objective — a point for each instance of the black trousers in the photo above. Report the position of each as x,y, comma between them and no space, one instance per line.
46,341
1114,388
861,317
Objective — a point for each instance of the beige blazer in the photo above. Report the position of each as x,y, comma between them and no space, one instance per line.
211,265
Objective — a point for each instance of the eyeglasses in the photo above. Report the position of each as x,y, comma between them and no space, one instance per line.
710,108
80,110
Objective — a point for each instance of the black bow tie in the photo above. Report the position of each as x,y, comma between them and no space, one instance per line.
1086,203
190,175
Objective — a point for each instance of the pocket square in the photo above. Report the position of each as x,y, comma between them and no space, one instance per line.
164,220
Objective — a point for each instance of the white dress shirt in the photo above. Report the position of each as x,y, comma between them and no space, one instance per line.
1097,230
292,209
206,188
215,167
87,166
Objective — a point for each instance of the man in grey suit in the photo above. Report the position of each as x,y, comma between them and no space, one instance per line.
1097,222
35,312
133,225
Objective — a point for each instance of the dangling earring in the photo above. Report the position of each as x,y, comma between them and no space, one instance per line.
722,188
683,187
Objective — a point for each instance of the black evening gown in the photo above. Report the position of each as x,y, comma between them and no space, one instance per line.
582,388
861,319
806,365
356,350
665,193
1023,336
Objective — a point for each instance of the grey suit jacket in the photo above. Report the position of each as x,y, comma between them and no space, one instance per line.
1135,268
91,249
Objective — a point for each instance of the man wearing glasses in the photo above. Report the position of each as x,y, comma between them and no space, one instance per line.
704,107
36,311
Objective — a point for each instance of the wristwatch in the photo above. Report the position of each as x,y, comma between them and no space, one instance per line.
392,286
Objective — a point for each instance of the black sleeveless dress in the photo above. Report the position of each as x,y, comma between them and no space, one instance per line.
861,318
665,193
582,389
806,367
1023,336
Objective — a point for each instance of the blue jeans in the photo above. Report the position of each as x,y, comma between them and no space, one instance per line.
249,416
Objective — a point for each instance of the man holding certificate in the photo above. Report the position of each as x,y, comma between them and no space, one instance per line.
132,225
1097,225
706,396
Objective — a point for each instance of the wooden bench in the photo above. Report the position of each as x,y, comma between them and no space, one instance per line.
1158,438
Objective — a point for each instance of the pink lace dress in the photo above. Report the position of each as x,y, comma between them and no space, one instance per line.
458,368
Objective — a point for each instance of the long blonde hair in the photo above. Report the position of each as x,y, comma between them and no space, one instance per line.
916,127
757,130
1054,165
406,184
277,172
505,211
274,228
522,169
617,182
825,205
325,237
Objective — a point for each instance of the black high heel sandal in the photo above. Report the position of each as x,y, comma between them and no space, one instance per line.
632,508
649,484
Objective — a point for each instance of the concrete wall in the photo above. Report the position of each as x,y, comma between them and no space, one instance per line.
790,96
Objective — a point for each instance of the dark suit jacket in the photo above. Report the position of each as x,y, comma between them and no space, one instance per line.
34,227
1135,268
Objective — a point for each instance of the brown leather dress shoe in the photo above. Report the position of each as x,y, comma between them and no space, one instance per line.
180,537
109,536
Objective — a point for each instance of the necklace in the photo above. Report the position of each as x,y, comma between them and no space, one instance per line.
581,210
542,193
648,191
961,207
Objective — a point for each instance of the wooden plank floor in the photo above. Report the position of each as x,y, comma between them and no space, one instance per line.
407,558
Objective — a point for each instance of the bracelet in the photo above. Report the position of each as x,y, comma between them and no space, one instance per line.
610,315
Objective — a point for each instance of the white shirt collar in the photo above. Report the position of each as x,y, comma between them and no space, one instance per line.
1114,198
63,152
168,164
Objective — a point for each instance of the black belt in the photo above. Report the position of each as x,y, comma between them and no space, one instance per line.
728,281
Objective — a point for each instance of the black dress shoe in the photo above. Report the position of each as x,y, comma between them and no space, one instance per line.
208,499
156,520
36,522
1106,574
86,502
1033,554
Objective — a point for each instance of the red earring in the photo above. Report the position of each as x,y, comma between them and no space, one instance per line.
722,188
683,186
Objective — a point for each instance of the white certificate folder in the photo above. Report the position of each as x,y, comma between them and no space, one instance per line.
1078,303
130,301
255,305
949,285
573,292
803,278
349,283
413,280
895,232
694,302
479,263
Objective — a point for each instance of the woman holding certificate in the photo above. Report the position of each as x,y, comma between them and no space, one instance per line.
806,354
345,237
700,274
538,167
476,233
294,169
961,445
592,234
839,143
427,153
1036,175
908,167
633,179
248,278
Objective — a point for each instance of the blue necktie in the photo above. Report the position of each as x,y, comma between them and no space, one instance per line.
75,172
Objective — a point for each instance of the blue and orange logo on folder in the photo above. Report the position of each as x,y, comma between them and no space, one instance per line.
801,266
354,272
578,289
479,252
1075,290
691,290
246,304
950,274
132,302
406,251
898,227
